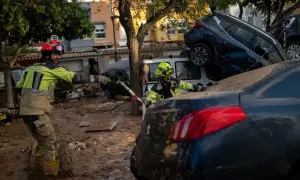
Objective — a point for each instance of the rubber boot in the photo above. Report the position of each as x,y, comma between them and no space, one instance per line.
51,168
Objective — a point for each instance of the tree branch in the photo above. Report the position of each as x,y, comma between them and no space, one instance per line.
241,8
126,17
16,55
154,19
285,13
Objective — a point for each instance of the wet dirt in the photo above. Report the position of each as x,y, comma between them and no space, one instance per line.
99,155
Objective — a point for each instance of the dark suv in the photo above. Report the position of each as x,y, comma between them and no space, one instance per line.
231,45
291,27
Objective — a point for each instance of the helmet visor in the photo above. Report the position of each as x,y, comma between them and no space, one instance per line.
57,49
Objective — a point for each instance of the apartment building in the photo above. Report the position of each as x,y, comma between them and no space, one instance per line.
102,36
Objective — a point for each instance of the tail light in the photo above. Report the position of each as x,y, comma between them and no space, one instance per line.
201,123
199,24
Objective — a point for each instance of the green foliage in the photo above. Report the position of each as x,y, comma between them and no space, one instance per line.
24,21
76,21
11,18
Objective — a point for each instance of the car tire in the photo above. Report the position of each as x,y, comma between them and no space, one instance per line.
293,50
133,168
200,54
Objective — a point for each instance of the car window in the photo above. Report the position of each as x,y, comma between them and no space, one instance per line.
186,71
285,88
265,49
242,34
225,24
151,74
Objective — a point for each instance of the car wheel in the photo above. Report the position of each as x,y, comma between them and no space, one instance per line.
200,54
293,50
133,168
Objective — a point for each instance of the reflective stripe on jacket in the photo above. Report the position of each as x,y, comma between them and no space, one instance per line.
38,82
41,78
156,93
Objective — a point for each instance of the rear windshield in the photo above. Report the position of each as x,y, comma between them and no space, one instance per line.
242,81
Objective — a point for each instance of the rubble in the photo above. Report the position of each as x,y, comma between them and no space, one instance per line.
77,145
116,173
109,106
89,90
97,108
84,124
105,128
82,155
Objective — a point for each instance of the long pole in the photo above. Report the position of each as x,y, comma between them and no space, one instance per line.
112,16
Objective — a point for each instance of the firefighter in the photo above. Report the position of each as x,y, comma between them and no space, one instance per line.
37,94
167,86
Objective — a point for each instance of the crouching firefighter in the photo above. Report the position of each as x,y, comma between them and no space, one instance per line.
36,87
167,86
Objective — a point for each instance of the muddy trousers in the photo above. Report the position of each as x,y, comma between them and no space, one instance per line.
46,153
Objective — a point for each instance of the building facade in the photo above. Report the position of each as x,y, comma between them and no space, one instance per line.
102,36
255,19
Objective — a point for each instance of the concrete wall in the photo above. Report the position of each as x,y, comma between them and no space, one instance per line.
80,45
75,65
81,65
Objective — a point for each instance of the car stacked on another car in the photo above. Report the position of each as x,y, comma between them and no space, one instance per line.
231,45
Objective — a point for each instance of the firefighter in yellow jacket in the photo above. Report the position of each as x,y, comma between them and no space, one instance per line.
37,94
167,86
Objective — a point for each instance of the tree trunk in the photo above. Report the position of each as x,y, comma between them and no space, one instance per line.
134,71
268,22
241,9
285,13
8,88
7,75
15,58
7,79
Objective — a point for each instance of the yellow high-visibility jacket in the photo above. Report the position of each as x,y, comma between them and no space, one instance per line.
157,93
38,82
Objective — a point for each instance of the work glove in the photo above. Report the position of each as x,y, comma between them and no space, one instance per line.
99,79
147,103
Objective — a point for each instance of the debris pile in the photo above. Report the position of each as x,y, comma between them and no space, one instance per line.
77,145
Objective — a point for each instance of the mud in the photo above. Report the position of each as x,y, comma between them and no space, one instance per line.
102,155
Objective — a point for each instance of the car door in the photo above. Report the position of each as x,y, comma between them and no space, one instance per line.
267,50
234,51
275,109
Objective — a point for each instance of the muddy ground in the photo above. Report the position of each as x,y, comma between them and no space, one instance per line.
103,155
